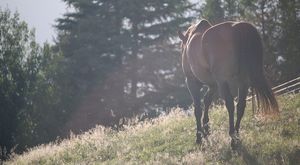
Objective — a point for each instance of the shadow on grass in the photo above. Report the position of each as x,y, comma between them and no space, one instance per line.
247,157
229,155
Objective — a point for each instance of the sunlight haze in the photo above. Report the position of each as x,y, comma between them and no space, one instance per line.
39,14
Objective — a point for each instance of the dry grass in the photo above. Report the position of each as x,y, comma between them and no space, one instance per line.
170,139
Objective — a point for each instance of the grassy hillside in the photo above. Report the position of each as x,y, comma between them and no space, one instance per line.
170,139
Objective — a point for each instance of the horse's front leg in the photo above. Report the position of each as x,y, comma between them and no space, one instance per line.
194,87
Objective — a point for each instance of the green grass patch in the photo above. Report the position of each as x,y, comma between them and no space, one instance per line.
170,139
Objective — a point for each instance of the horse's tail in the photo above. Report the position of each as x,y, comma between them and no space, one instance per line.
250,53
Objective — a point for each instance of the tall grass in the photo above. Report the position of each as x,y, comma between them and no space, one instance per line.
170,139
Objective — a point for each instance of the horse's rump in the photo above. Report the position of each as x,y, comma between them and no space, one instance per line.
250,56
235,55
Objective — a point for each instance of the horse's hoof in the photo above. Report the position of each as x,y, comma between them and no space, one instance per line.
235,143
206,131
206,134
198,141
235,136
199,138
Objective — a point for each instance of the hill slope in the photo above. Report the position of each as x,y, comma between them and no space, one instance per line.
170,139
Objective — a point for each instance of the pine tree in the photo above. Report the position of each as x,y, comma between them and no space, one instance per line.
277,22
104,44
213,10
151,22
231,9
289,38
90,40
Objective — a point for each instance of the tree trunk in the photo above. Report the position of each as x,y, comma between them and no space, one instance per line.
134,67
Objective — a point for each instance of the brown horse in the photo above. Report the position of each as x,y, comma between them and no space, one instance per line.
228,58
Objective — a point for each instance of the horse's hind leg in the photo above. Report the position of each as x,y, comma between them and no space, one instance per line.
243,91
194,87
230,108
229,105
207,102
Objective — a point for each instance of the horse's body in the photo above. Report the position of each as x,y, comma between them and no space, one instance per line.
226,57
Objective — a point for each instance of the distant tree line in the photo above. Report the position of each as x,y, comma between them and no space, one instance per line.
278,22
117,59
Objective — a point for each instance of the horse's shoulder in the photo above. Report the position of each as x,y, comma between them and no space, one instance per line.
202,26
195,40
199,27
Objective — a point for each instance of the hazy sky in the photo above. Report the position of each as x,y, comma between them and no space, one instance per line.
39,14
